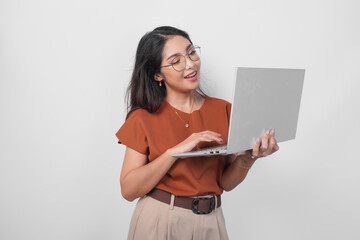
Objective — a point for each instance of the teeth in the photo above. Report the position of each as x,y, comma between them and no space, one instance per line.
192,75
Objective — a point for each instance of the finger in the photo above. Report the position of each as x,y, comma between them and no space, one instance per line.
276,147
265,142
209,138
212,136
272,140
272,132
215,138
256,148
272,143
211,132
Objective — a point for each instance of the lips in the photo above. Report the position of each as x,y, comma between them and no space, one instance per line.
191,75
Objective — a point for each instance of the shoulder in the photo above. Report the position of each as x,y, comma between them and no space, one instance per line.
219,106
217,101
135,122
144,118
139,114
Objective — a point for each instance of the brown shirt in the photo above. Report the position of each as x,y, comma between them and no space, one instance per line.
153,133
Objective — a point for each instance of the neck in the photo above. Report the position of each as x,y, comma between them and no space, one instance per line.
182,101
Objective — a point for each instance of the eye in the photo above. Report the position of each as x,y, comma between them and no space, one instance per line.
192,52
175,61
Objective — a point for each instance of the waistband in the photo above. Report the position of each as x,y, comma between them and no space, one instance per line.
199,205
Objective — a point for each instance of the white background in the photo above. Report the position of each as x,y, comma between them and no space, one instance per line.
64,69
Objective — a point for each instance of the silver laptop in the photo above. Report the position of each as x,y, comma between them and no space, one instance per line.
263,98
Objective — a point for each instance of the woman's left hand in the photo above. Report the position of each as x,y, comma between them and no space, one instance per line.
264,147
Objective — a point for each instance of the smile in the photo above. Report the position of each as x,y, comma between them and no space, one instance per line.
193,74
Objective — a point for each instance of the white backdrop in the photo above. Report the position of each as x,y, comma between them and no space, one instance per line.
64,68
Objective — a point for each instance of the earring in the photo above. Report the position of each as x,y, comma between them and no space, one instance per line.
160,84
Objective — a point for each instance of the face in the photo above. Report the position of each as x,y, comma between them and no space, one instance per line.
183,81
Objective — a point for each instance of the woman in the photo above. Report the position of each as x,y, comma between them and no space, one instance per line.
169,114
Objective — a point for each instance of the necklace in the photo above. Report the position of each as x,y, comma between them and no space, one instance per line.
186,123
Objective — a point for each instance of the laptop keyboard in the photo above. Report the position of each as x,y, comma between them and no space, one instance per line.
219,150
214,150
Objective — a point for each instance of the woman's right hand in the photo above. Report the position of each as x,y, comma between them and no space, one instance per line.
194,139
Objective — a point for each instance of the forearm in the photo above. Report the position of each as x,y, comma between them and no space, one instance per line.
141,180
236,172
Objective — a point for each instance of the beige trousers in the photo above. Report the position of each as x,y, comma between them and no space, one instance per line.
155,220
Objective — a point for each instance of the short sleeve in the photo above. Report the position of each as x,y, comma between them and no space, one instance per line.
132,134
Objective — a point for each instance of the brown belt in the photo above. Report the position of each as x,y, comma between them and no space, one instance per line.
199,205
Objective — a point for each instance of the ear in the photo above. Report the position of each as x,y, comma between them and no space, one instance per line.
158,77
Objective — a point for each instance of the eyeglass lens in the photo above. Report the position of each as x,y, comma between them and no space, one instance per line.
179,62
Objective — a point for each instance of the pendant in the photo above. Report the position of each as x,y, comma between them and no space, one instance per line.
187,125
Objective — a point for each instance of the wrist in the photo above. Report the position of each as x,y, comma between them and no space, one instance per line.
244,161
169,154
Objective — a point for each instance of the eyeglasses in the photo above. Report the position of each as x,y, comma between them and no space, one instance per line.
179,62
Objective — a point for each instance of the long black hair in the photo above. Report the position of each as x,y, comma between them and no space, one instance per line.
144,91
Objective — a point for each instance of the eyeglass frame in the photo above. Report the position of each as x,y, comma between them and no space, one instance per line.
198,47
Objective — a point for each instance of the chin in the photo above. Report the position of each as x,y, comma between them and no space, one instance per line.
195,85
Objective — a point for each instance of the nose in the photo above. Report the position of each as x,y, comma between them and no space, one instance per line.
189,63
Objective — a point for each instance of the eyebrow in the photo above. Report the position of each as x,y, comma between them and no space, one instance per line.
176,54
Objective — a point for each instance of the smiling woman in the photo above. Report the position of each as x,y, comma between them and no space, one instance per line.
168,114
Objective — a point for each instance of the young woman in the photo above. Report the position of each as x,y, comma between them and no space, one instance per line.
169,114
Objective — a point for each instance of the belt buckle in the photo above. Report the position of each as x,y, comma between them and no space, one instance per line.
195,205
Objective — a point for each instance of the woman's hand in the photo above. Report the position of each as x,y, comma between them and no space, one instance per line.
262,148
194,139
266,146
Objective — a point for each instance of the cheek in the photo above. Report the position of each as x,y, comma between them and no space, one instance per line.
179,75
198,64
173,75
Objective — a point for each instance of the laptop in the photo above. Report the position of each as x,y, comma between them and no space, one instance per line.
263,98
